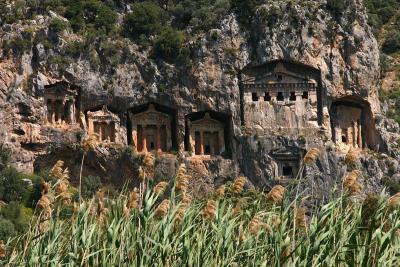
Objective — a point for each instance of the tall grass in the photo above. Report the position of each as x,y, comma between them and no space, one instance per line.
262,233
163,226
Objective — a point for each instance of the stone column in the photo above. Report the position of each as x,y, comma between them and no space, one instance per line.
53,111
90,124
169,138
355,133
134,136
350,136
71,112
192,141
50,112
144,138
360,143
201,143
100,132
221,141
211,139
158,139
60,111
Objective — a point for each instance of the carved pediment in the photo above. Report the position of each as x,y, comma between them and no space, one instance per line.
60,89
103,115
286,154
208,122
151,116
279,72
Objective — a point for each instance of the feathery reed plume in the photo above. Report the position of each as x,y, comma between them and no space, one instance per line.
147,168
311,156
276,194
90,142
101,210
369,207
44,204
66,198
180,214
350,181
241,236
159,189
133,199
61,187
238,184
286,248
2,249
210,210
300,217
148,160
163,208
351,156
142,174
393,201
46,186
239,205
56,171
256,224
45,201
182,179
220,191
275,221
186,199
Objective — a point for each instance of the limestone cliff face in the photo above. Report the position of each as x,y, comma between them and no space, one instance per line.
342,48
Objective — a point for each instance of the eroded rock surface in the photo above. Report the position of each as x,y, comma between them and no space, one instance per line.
343,49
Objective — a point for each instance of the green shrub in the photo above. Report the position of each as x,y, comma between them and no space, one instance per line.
12,188
90,185
392,43
6,229
245,9
90,14
18,45
4,156
75,49
201,16
145,19
57,26
337,7
18,215
169,46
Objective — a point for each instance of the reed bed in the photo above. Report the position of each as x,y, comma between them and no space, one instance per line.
231,227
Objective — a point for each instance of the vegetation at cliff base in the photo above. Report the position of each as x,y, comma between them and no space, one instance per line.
162,225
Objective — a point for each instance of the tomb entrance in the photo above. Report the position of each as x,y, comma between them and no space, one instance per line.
352,122
62,103
151,129
105,124
206,133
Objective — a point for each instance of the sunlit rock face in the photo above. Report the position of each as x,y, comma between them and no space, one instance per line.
296,78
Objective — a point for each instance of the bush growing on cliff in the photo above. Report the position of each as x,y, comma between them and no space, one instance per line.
146,19
90,14
337,7
12,187
392,42
169,45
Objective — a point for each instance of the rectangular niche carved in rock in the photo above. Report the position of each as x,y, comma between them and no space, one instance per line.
286,163
62,103
352,123
105,124
151,129
206,135
292,97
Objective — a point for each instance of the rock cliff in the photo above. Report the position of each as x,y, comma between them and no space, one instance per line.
342,48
